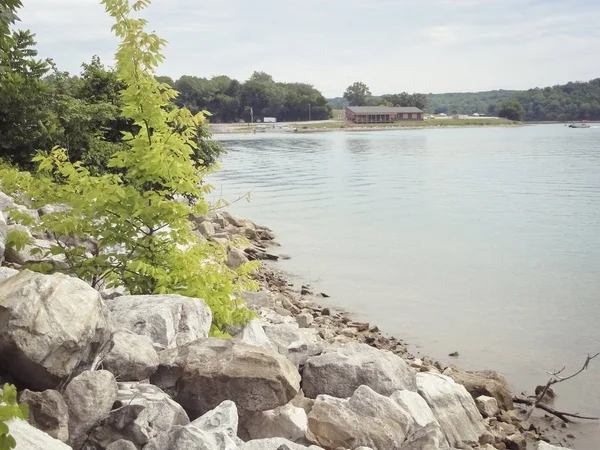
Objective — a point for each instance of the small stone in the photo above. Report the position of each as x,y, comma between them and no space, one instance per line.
326,312
324,295
305,292
516,442
305,320
349,332
454,354
486,438
374,329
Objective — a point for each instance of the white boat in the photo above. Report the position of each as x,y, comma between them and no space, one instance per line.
579,125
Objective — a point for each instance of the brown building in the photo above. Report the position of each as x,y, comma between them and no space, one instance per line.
382,114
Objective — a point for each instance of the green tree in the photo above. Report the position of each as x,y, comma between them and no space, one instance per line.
512,110
357,94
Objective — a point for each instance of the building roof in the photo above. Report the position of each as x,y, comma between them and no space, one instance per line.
383,109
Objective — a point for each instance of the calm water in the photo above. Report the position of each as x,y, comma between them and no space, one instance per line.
482,241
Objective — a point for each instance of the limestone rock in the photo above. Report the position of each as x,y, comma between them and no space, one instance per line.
297,344
188,438
30,438
89,397
6,202
223,419
367,418
122,444
254,334
235,258
275,444
53,208
3,236
545,446
260,299
202,374
287,421
489,383
305,320
487,406
48,412
53,327
207,229
428,437
168,320
453,408
142,411
35,252
6,272
339,371
132,357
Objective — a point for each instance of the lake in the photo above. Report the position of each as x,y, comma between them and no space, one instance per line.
484,241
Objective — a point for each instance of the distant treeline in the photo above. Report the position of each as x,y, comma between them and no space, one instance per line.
229,100
571,101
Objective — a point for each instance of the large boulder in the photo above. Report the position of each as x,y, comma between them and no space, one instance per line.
428,437
188,438
487,382
30,438
122,444
339,371
202,374
141,412
89,397
426,430
132,357
3,236
453,408
287,421
168,320
236,258
275,444
51,328
365,419
48,412
297,344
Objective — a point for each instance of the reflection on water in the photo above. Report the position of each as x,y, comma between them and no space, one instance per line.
485,241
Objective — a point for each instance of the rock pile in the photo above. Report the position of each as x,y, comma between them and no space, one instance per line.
140,372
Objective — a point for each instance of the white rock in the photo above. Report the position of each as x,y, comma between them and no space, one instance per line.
297,344
275,444
142,412
3,236
305,320
340,370
254,334
30,438
6,272
190,438
54,326
6,202
272,317
132,357
202,374
222,419
23,210
487,406
453,407
235,258
89,397
286,421
37,251
545,446
53,208
168,320
367,418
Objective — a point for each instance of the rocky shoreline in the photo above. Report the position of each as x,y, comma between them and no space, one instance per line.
108,371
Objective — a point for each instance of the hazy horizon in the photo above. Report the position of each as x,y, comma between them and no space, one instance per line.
435,46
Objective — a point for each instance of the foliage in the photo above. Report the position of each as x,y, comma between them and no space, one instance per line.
405,99
131,227
228,100
10,409
512,110
357,94
467,102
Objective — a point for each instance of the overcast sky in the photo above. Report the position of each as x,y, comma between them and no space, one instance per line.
392,45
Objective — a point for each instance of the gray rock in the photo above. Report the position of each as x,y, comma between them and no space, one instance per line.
367,418
207,229
132,357
89,397
545,446
453,408
260,299
297,344
54,327
188,438
202,374
340,370
37,251
273,318
53,208
23,210
489,383
305,320
275,444
236,258
428,437
48,412
6,272
142,412
223,419
122,444
30,438
254,334
3,236
6,202
168,320
487,406
414,405
286,421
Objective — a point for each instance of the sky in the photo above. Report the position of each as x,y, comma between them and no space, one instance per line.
391,45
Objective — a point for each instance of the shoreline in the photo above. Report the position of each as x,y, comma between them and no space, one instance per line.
285,298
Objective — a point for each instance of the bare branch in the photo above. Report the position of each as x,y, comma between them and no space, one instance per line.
561,415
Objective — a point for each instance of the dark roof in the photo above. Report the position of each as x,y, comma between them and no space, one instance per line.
383,109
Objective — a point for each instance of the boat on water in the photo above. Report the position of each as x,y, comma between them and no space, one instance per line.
582,124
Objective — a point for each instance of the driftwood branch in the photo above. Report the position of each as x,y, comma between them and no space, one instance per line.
555,377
